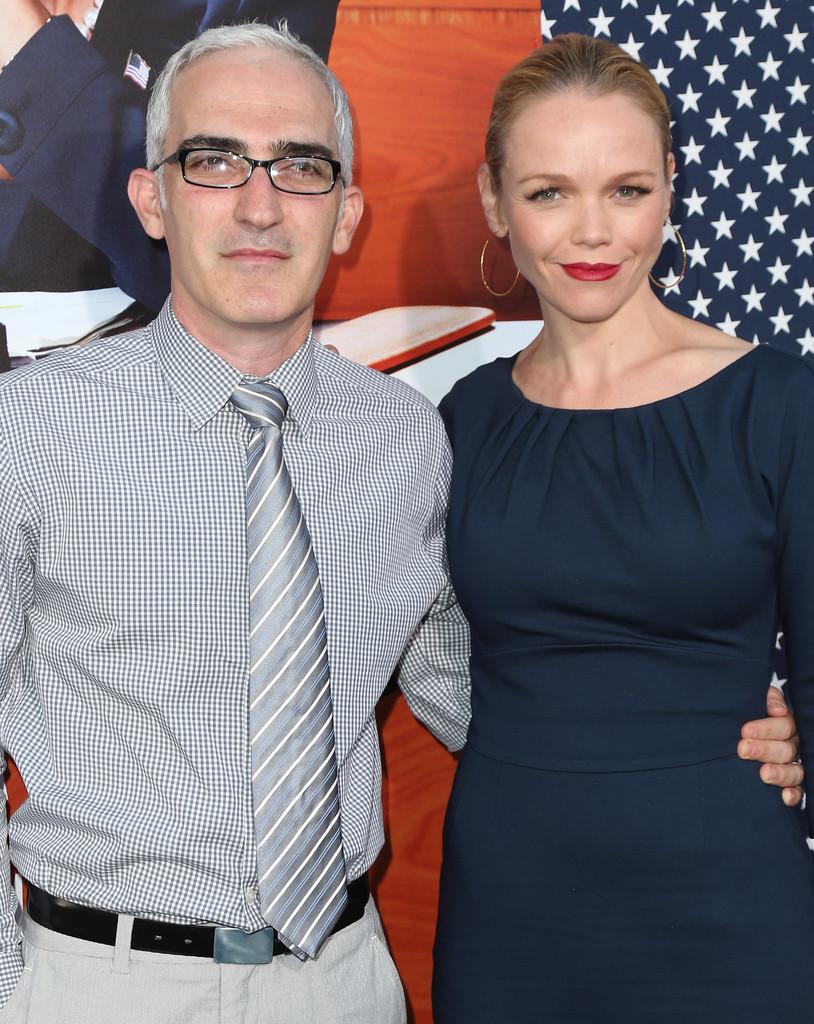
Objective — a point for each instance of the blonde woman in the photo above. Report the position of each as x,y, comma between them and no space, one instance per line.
630,520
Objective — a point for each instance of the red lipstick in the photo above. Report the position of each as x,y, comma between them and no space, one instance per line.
591,271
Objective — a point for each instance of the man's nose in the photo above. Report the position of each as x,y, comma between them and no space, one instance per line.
259,203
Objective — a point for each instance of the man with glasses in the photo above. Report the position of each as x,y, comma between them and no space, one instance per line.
218,541
196,623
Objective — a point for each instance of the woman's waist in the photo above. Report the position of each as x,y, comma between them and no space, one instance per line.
612,707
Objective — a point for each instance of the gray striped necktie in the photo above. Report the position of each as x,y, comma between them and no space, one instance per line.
300,864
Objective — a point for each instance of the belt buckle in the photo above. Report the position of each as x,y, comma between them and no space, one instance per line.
233,946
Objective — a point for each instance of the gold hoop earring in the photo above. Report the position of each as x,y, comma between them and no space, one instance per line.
682,272
498,295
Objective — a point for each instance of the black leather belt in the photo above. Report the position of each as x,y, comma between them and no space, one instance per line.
157,936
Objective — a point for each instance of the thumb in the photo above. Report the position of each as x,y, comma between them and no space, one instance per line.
776,703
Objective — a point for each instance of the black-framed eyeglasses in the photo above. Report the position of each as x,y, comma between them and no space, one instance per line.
218,168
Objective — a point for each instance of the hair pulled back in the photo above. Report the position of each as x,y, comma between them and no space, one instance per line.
572,63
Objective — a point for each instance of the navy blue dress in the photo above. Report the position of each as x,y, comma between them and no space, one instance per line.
607,857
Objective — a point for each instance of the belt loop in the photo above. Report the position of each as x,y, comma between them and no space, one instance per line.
121,955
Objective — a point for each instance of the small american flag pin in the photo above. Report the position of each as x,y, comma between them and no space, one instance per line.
137,69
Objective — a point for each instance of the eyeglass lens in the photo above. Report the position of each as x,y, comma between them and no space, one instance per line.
304,174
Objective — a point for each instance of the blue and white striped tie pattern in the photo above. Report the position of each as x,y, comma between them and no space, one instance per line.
300,863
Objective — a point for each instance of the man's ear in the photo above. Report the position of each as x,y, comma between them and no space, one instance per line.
145,197
490,201
352,208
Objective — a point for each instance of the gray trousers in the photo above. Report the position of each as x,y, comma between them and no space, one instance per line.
70,981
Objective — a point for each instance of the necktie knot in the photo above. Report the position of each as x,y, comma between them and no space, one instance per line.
263,404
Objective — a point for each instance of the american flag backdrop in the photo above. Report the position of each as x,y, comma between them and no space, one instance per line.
737,75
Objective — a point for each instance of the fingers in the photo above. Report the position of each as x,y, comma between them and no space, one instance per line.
771,729
787,776
792,797
774,741
779,753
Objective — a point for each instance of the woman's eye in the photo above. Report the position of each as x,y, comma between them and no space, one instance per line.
631,191
546,195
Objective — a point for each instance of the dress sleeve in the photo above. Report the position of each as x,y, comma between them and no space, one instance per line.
795,509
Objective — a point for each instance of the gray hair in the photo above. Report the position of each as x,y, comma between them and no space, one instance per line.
236,37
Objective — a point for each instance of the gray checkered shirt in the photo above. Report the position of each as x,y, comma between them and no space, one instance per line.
124,612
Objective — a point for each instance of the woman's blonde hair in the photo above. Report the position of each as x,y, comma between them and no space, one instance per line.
572,63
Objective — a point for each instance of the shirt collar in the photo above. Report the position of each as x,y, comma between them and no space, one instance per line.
297,379
203,382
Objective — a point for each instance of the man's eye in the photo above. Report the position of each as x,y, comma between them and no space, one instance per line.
305,168
207,162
